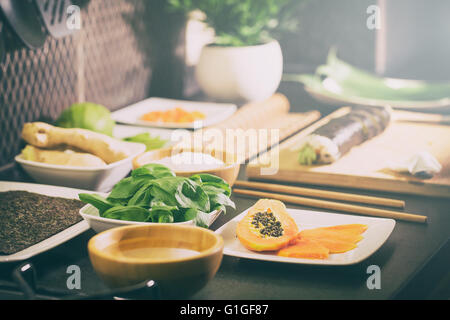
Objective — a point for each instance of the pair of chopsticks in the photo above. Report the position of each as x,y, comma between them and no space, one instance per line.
291,194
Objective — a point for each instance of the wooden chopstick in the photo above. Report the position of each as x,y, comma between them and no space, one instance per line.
316,203
321,194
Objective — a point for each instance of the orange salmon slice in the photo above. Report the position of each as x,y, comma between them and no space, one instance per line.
306,249
336,246
350,228
321,233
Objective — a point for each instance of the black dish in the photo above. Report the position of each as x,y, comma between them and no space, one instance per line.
23,17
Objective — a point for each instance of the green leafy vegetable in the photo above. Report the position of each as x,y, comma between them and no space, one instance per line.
307,155
243,22
189,214
211,180
128,213
88,116
339,79
165,189
97,201
189,194
202,219
151,143
218,198
154,194
126,188
142,197
163,213
152,171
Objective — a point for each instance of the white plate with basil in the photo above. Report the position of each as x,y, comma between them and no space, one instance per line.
154,194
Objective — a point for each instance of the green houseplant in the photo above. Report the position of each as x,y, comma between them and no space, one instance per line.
245,61
243,22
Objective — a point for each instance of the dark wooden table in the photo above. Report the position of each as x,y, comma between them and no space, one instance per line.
414,261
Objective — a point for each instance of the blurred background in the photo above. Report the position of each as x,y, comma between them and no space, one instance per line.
128,50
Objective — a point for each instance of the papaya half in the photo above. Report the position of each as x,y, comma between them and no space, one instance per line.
267,226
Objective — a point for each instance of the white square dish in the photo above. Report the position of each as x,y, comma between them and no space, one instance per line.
214,112
378,231
54,240
90,178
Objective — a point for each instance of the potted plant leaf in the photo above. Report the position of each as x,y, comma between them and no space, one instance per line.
245,62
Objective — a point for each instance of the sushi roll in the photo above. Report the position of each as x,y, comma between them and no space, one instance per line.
335,138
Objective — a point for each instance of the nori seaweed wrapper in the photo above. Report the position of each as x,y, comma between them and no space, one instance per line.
344,131
379,117
370,124
359,125
29,218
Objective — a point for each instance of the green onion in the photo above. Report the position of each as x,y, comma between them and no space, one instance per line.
341,79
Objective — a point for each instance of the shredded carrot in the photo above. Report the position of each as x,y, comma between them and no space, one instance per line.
177,115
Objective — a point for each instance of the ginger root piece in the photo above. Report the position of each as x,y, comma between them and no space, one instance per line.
43,135
61,157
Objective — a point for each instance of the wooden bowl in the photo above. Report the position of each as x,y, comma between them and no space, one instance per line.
180,258
229,172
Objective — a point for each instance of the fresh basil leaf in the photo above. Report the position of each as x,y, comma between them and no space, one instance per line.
196,178
218,198
118,202
166,218
212,180
191,195
219,207
152,171
164,189
127,213
223,199
190,214
97,201
142,197
184,214
157,203
126,188
162,214
202,219
162,195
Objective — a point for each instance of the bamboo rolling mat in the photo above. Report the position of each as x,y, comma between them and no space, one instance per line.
255,128
258,126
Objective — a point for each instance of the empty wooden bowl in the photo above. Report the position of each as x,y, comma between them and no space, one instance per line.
229,171
180,258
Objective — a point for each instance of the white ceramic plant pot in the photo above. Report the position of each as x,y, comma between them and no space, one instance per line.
251,73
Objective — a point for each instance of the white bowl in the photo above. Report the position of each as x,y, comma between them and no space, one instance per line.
248,73
89,178
91,215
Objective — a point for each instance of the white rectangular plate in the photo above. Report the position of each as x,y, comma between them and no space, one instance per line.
214,112
376,234
56,239
91,215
